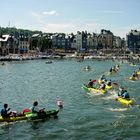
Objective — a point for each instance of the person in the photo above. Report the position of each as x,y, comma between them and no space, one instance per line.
102,86
123,93
135,75
112,69
109,83
117,67
5,111
90,84
35,109
103,79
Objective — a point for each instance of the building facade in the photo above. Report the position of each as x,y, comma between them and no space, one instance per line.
133,41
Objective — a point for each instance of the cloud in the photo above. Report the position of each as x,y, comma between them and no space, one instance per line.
50,13
110,11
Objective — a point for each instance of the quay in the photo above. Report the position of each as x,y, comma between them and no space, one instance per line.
16,57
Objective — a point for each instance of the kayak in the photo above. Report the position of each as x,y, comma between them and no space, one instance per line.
138,72
108,87
92,90
125,101
100,81
112,73
133,65
133,78
30,116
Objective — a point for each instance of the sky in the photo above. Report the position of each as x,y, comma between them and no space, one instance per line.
67,16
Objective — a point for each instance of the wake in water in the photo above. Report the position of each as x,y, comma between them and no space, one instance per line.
95,94
118,109
113,95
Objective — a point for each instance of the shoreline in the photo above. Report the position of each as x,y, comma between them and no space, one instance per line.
17,57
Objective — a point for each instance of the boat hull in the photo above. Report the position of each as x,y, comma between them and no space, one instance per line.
31,116
124,101
93,90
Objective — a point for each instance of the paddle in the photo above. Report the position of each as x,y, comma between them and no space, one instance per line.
116,84
94,81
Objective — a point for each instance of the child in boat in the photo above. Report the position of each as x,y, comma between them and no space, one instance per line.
5,111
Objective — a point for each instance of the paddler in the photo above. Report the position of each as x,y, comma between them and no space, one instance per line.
90,84
5,111
124,94
35,109
103,79
135,75
109,83
102,86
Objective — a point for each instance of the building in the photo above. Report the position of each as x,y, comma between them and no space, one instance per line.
8,44
23,44
133,41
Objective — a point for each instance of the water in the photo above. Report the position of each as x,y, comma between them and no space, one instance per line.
83,116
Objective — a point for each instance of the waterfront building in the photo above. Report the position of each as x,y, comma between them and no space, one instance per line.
8,44
133,41
92,41
107,38
63,42
23,43
59,42
81,41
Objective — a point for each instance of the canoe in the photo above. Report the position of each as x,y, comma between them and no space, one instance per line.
133,78
125,101
93,90
30,116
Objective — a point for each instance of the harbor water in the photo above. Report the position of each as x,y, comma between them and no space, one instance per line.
84,116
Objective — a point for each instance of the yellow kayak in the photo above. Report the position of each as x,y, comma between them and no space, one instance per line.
13,119
94,90
125,101
112,73
100,81
133,78
108,87
133,65
138,72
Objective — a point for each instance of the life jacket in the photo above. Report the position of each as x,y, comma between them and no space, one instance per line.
4,113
